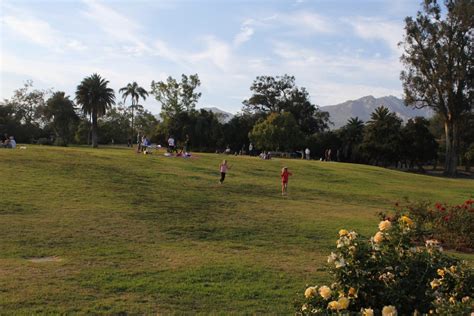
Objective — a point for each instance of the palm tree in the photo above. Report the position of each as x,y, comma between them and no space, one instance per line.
95,98
352,135
135,92
381,114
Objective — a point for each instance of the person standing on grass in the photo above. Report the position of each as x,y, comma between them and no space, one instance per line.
171,144
186,144
223,169
284,180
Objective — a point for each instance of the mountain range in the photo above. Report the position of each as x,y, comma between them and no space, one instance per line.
222,116
363,108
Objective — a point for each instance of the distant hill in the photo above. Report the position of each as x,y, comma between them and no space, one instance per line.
363,107
222,116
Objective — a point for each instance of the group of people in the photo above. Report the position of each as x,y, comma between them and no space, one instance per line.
173,148
265,155
7,141
285,174
143,144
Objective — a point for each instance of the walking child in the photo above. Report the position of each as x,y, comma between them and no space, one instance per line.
223,169
284,180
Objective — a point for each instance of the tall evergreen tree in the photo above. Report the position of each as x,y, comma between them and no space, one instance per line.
438,55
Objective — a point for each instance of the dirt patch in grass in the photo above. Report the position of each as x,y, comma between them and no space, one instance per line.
45,259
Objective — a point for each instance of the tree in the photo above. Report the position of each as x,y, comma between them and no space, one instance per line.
236,131
318,144
60,111
176,97
280,94
418,144
95,98
206,133
438,53
382,137
21,114
146,122
114,125
351,136
135,92
277,132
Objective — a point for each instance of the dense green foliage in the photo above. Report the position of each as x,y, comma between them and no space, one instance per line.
277,132
61,114
150,234
382,137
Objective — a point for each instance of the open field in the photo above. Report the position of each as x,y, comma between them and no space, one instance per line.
147,234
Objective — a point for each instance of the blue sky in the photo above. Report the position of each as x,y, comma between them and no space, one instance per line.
339,50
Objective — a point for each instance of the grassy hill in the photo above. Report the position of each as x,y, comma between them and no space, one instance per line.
142,234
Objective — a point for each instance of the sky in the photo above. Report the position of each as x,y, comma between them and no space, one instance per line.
338,50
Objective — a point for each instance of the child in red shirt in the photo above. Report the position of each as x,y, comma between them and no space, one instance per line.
284,180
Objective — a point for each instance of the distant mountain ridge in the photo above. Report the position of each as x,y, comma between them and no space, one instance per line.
222,116
363,108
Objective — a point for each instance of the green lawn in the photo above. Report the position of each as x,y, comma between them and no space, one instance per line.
150,234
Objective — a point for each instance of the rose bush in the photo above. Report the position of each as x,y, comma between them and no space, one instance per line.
451,225
390,274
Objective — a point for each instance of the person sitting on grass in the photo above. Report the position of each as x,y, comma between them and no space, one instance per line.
223,169
284,180
12,142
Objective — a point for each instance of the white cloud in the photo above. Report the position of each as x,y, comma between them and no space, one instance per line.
217,52
245,34
307,22
117,26
38,31
76,45
334,78
32,29
373,28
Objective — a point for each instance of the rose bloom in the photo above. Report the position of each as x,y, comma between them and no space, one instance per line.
452,300
465,299
332,257
340,263
435,283
389,311
333,305
310,292
352,235
367,312
452,269
407,220
352,291
343,302
378,237
343,232
385,225
325,292
441,272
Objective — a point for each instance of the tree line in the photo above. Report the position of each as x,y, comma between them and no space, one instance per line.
279,116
